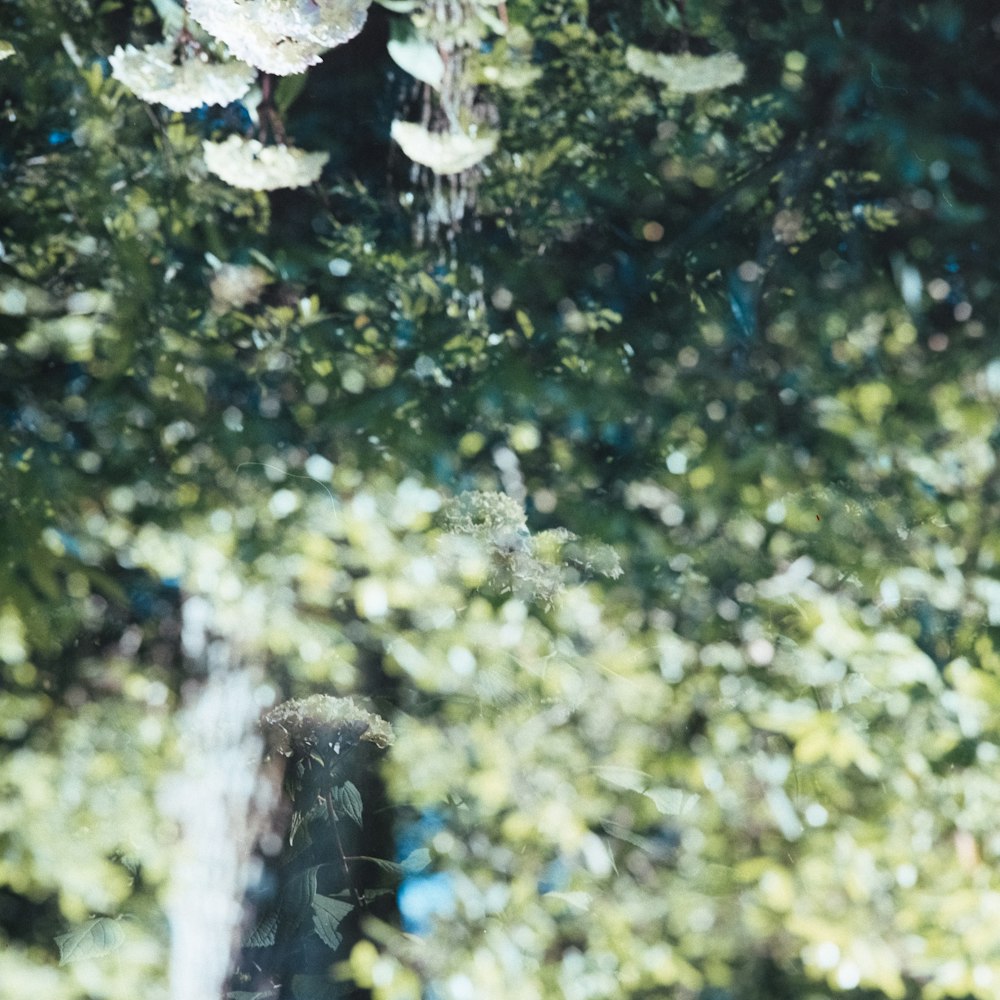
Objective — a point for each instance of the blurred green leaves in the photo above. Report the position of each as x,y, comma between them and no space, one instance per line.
654,507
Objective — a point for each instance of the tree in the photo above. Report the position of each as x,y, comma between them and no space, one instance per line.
611,403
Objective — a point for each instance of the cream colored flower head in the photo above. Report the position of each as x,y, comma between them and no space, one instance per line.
442,152
685,73
280,36
151,74
322,723
249,164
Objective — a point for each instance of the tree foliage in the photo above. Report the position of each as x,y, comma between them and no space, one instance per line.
616,412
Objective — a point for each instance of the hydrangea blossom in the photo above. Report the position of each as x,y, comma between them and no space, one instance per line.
442,152
322,721
249,164
280,36
685,73
152,74
536,565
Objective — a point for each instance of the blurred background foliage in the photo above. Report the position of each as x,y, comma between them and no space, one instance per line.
653,501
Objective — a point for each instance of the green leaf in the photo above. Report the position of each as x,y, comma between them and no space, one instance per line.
348,801
94,939
300,836
417,861
623,777
298,818
386,866
263,935
288,89
301,889
415,54
297,897
328,914
671,801
264,261
371,894
319,988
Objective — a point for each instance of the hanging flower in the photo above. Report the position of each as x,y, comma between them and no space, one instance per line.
323,722
280,36
151,74
442,152
685,73
247,163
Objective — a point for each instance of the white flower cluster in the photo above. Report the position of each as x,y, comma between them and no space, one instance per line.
249,164
323,722
442,152
538,565
280,36
685,73
151,74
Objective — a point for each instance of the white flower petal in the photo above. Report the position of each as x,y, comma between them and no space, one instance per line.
685,73
249,164
442,152
280,36
152,74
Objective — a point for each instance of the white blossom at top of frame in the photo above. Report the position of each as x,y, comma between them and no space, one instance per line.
249,164
685,73
152,74
280,36
442,152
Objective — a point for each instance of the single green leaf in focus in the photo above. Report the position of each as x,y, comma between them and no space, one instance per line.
348,801
328,914
387,866
94,939
263,935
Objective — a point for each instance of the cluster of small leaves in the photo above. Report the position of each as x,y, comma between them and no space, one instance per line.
300,897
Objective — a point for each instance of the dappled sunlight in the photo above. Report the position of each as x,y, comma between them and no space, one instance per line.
499,500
